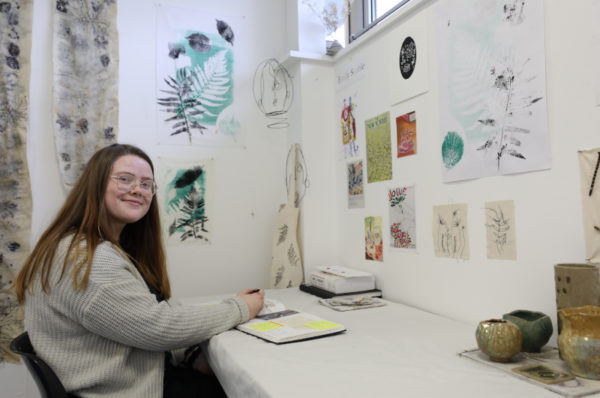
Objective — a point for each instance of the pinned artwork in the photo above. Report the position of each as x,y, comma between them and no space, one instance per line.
356,192
493,116
500,230
86,80
348,140
379,148
589,165
195,72
373,238
595,16
273,90
406,134
185,196
15,192
409,64
450,231
403,224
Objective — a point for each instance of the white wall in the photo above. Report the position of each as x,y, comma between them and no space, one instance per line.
547,203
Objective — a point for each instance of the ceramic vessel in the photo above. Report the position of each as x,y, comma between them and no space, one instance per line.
579,341
499,339
536,328
576,285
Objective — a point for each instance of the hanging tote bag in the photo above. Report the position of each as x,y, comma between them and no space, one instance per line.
286,263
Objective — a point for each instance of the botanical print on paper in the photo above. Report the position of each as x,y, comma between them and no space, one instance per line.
500,230
15,190
379,148
195,71
186,200
493,117
86,66
373,238
406,133
403,225
408,57
348,127
356,193
450,231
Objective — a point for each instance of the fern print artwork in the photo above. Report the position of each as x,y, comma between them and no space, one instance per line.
195,73
184,192
493,116
500,230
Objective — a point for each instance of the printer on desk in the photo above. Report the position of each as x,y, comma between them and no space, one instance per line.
331,280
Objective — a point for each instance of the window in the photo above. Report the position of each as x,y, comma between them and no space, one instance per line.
367,13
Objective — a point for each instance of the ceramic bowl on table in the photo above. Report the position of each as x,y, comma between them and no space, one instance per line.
536,328
499,339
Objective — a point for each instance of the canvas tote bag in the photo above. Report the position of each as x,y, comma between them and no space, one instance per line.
589,165
286,263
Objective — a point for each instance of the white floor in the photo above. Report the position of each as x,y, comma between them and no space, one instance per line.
16,382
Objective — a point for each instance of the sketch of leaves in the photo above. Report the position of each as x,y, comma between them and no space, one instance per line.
180,102
282,234
490,87
292,257
210,84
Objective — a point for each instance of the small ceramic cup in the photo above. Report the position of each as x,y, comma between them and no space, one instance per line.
499,339
536,328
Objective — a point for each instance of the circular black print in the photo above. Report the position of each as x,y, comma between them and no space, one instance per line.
408,57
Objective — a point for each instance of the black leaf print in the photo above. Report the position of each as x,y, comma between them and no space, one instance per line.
61,6
5,7
109,133
105,60
12,63
63,121
175,50
225,31
189,177
199,42
13,50
282,234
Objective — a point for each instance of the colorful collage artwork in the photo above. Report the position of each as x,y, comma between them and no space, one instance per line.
356,191
406,133
373,238
186,193
403,225
348,127
379,148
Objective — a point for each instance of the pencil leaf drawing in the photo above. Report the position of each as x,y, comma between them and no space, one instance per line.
500,230
450,232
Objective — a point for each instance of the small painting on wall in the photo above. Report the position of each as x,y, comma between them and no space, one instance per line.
450,231
403,225
356,192
373,238
500,230
185,193
348,126
406,133
379,148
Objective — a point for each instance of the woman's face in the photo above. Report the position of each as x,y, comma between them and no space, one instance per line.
126,200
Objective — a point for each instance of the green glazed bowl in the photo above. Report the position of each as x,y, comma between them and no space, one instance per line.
536,328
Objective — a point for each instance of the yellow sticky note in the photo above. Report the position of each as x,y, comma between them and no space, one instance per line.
322,325
263,327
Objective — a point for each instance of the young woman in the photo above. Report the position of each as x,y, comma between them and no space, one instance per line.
95,290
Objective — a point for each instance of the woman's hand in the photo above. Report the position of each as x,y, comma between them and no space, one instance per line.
254,299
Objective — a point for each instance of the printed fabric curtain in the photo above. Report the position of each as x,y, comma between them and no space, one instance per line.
85,82
15,190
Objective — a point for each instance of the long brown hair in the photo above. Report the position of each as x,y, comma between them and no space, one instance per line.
84,216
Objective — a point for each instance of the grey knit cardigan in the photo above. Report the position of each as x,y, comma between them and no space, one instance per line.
111,338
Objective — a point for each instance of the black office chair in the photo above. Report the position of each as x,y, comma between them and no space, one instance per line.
45,378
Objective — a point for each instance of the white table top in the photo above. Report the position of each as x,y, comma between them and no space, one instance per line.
388,351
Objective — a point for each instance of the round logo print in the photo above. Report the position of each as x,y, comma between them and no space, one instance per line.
408,57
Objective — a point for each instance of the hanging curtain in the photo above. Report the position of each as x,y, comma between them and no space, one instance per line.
15,190
85,82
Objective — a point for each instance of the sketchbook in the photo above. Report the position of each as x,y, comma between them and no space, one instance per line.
287,326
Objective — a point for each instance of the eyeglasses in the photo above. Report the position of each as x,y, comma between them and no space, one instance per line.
126,182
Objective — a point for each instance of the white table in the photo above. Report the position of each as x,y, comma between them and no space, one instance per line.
391,351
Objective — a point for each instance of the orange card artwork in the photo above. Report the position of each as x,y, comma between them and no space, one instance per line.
406,132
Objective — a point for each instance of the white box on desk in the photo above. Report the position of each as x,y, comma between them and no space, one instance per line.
338,279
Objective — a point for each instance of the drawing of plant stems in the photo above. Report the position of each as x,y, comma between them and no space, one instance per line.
499,227
451,237
182,103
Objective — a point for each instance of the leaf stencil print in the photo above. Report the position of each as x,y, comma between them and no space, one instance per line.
492,87
195,69
452,149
